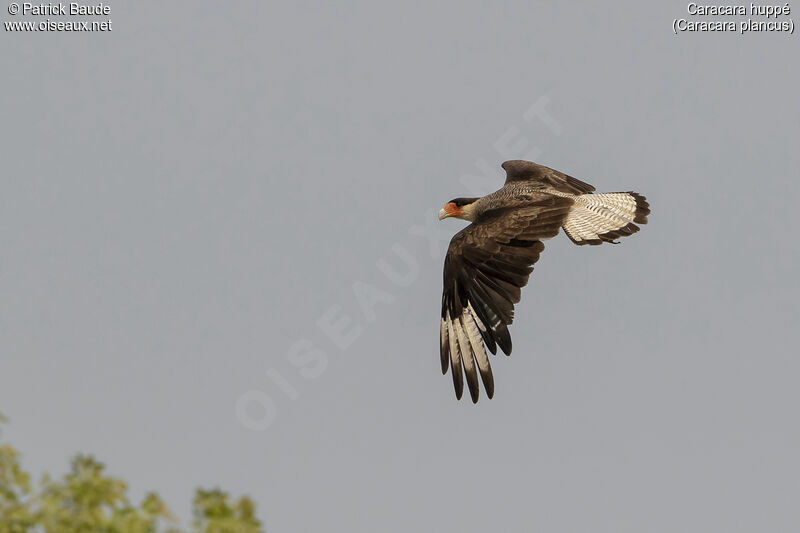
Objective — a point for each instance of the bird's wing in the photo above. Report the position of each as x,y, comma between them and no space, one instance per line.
486,265
519,170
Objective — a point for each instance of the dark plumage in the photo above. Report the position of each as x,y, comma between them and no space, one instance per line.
489,261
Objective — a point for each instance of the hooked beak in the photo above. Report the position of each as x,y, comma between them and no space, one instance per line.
449,210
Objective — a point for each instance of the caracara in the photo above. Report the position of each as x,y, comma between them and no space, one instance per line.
489,261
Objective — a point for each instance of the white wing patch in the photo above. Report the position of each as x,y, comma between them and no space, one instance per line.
462,337
471,327
455,353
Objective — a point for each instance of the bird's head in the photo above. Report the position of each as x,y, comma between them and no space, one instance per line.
463,208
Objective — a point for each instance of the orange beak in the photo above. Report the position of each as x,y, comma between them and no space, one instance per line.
449,210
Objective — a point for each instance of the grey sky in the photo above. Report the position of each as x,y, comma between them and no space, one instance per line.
186,195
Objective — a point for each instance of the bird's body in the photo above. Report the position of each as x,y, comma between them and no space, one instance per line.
515,194
489,261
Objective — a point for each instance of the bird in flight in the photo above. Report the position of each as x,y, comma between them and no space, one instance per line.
489,261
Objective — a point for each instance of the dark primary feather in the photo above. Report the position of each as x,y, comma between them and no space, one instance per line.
518,170
487,264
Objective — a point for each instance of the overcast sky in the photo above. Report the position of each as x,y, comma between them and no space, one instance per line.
221,263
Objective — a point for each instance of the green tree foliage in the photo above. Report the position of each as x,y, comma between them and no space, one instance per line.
15,489
213,513
88,500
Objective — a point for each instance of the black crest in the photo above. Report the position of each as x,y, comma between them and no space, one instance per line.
460,202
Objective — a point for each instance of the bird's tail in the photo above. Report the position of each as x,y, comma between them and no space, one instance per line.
598,218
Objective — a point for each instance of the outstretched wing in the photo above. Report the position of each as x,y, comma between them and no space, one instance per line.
487,264
518,170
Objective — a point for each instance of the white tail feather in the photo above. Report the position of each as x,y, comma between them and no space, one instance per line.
604,217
